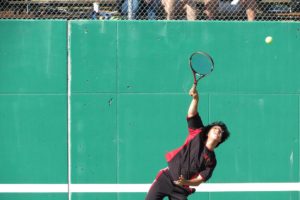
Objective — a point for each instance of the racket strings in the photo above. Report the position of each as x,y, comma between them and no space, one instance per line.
201,64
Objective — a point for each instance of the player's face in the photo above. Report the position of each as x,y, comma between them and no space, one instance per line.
215,133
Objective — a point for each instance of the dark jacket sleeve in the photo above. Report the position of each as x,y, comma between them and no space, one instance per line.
195,122
208,171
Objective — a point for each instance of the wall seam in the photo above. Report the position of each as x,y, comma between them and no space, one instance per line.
209,113
117,106
298,136
69,108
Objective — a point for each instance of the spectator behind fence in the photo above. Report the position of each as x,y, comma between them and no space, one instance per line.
152,8
211,8
173,8
130,8
97,14
249,6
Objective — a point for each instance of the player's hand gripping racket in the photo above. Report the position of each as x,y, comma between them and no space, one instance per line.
201,65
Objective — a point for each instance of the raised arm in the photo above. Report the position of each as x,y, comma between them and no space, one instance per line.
193,109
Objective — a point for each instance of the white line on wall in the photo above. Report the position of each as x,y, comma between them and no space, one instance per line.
137,188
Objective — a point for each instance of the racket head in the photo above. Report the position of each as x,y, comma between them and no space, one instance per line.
201,64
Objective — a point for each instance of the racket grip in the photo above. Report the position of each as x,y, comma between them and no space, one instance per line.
194,86
195,80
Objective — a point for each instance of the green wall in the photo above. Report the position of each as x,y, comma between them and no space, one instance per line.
129,98
33,102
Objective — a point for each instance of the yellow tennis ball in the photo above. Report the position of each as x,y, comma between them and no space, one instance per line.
268,39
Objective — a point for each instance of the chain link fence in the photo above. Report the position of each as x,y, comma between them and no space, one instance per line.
273,10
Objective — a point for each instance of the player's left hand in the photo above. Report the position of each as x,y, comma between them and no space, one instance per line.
181,181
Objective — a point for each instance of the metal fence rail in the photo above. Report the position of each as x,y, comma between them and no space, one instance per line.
274,10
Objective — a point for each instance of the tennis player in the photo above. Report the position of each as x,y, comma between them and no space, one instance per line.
194,162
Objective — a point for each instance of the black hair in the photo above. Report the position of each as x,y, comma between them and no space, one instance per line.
225,134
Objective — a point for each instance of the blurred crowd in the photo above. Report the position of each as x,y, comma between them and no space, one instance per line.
152,9
185,9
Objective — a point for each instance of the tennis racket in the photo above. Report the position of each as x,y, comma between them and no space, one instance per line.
201,65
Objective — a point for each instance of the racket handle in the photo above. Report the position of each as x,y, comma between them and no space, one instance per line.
194,86
195,79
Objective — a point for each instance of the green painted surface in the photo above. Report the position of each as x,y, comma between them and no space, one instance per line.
264,146
33,56
94,196
256,195
93,56
33,139
243,61
26,196
33,102
130,83
94,138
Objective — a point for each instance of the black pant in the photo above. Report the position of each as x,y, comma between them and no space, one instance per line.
163,186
